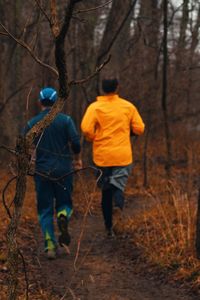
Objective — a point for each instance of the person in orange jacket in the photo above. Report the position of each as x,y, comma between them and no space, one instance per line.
108,123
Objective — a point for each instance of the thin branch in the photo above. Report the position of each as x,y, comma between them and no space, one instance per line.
22,35
3,33
92,9
63,176
25,273
83,226
3,196
43,11
27,103
24,45
8,149
98,69
2,105
84,220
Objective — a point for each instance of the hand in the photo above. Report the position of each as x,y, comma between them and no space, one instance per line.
77,164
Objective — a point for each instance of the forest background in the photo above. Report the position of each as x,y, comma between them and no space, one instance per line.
155,56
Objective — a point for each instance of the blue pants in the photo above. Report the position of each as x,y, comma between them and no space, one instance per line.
50,195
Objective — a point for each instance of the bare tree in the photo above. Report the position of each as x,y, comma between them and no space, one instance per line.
24,142
164,89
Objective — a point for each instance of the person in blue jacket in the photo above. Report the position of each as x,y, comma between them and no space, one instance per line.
55,149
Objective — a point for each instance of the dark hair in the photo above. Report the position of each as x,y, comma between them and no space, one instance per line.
109,85
46,102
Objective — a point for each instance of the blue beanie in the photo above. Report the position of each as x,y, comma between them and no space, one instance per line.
48,94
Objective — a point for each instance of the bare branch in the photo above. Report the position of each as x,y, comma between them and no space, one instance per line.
3,33
8,149
56,179
98,69
25,273
27,103
3,105
92,9
3,196
24,45
43,11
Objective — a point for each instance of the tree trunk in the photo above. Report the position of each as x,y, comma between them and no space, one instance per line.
181,46
198,229
118,16
164,91
13,253
24,144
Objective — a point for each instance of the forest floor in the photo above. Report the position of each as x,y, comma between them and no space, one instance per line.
98,267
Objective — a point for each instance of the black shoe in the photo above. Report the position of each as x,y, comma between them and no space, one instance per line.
110,233
118,222
64,238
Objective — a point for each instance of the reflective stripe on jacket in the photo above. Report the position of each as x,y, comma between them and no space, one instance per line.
108,123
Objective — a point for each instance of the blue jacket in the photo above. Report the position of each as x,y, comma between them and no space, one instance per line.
55,146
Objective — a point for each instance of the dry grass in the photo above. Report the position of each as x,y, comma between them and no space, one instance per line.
163,227
165,224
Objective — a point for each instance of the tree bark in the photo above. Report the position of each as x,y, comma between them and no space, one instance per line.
181,46
198,228
164,90
13,253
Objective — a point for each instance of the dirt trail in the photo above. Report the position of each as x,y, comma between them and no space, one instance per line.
106,269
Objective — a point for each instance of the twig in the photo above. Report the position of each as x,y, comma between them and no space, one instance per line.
98,69
39,262
67,250
24,45
83,224
25,273
3,195
8,149
43,11
2,105
4,33
27,102
79,244
22,35
92,9
63,176
81,233
72,294
81,263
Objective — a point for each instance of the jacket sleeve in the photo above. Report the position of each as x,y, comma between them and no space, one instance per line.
137,124
88,123
73,136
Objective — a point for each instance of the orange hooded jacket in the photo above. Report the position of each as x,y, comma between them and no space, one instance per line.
108,123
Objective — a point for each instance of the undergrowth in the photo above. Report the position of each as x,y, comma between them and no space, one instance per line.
165,232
